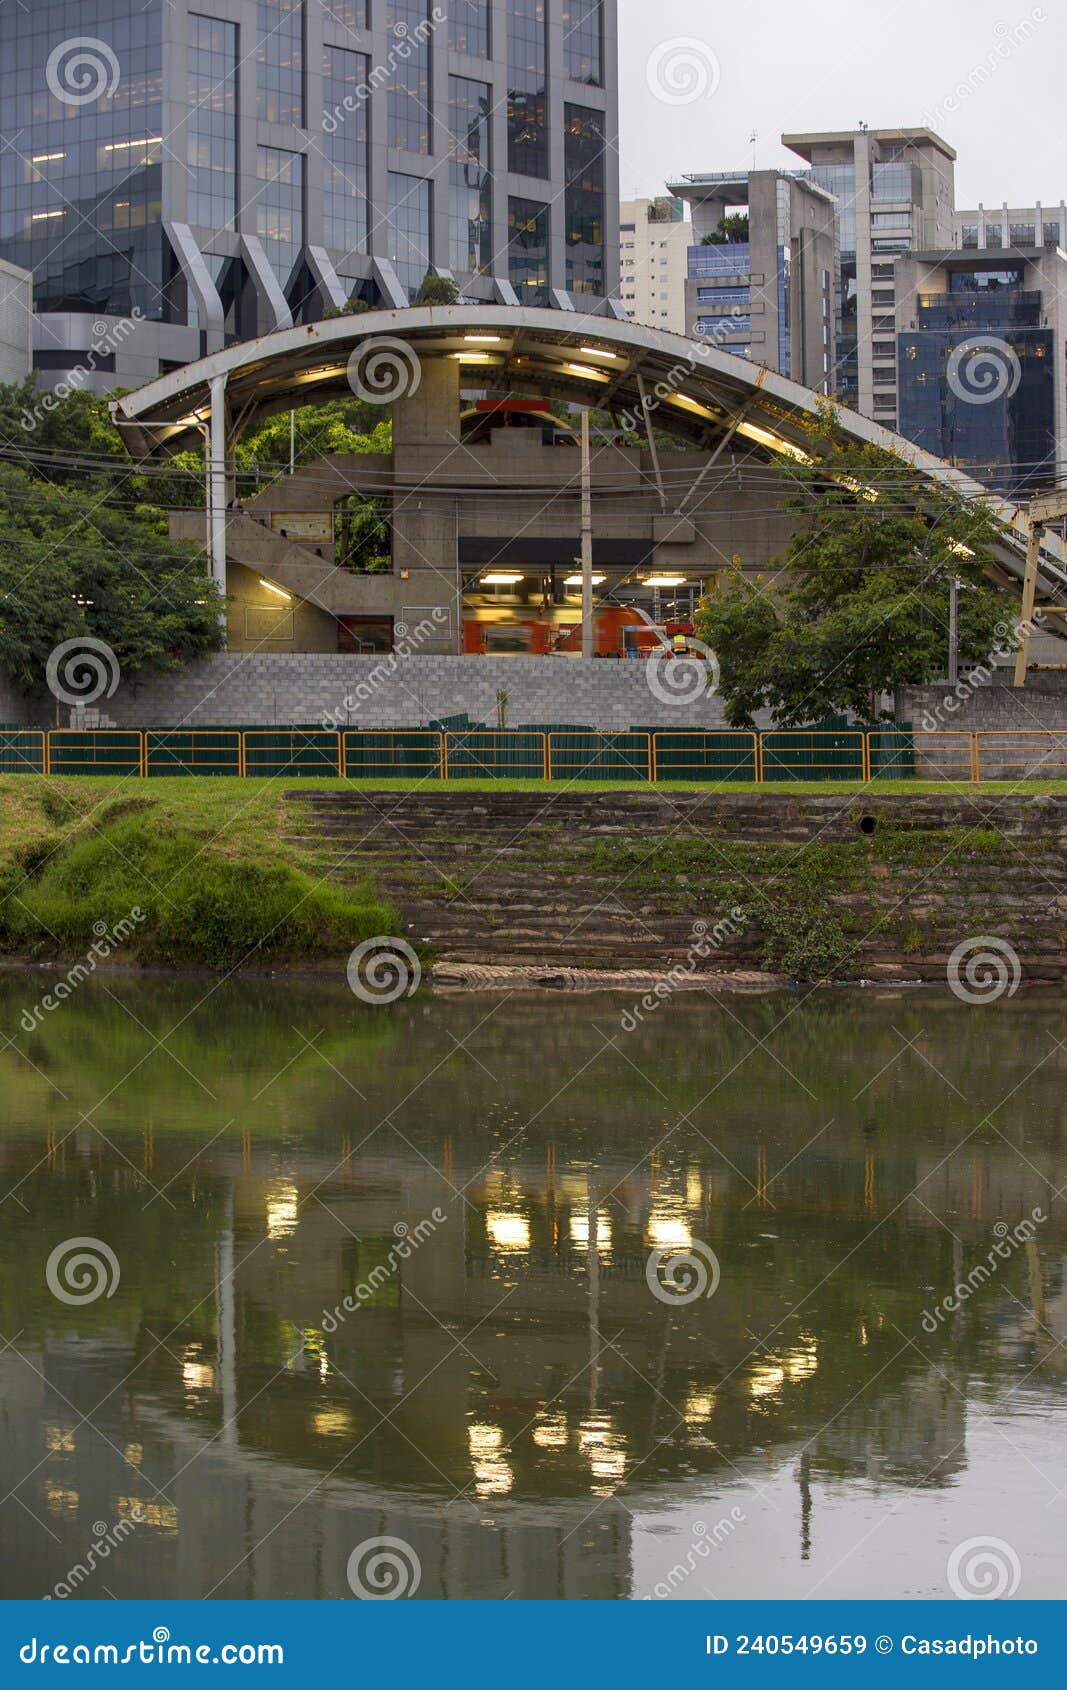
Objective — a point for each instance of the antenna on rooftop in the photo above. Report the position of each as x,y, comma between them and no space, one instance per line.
753,138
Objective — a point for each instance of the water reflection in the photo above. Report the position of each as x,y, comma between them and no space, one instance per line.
298,1357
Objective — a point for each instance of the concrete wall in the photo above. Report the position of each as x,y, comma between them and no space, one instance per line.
377,692
16,318
998,707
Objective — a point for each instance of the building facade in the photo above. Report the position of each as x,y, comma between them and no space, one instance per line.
16,323
654,240
761,270
184,175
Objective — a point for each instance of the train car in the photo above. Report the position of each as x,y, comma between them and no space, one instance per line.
620,631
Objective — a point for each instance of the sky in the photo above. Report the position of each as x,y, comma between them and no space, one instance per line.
698,78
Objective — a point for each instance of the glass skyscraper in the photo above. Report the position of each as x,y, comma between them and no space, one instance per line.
200,175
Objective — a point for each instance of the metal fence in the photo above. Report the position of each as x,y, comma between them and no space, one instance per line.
644,755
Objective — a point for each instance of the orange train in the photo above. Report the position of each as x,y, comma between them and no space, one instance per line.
619,631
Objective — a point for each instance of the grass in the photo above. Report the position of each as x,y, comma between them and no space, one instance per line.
198,871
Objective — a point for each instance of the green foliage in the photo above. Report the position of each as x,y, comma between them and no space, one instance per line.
437,290
862,605
337,425
732,229
73,565
354,307
198,907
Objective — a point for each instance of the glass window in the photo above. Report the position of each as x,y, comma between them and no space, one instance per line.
344,149
584,199
583,36
280,61
893,182
409,79
1052,234
280,209
527,95
346,14
468,27
1022,234
211,133
409,229
81,191
470,183
528,228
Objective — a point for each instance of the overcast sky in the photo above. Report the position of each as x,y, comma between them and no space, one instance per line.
988,75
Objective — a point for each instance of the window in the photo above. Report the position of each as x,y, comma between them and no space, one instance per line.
583,34
468,27
527,95
280,61
470,181
409,82
344,178
528,250
211,134
409,229
584,199
1022,234
970,234
280,209
1052,234
346,14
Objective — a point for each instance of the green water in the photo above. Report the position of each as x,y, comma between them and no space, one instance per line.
512,1402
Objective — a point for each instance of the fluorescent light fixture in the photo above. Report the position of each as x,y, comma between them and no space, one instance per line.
143,141
666,581
752,431
473,357
494,338
576,580
40,216
598,352
46,158
502,578
584,370
271,588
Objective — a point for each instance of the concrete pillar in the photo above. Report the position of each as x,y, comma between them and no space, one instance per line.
426,432
430,415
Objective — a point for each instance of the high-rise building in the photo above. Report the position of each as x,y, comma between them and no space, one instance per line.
178,175
761,270
895,192
654,243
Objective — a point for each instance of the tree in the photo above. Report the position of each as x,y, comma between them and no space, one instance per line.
732,229
437,290
75,563
861,606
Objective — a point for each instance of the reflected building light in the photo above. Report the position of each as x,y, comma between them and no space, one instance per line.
333,1423
162,1516
508,1230
283,1205
694,1189
551,1431
61,1501
802,1363
59,1440
492,1475
700,1406
579,1231
766,1382
197,1375
604,1448
134,1454
669,1229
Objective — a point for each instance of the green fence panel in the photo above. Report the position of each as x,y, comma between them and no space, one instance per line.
487,755
292,751
194,751
21,751
94,751
893,753
600,756
698,756
813,755
393,755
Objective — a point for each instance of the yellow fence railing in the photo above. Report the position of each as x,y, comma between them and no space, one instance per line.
850,756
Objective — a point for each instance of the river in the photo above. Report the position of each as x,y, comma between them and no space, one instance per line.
413,1273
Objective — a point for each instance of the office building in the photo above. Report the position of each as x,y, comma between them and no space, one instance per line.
761,270
654,240
16,323
184,175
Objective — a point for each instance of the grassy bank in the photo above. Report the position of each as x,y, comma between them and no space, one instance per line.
193,873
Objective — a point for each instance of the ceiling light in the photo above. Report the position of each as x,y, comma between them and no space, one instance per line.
584,370
598,352
576,580
666,581
271,588
495,338
502,579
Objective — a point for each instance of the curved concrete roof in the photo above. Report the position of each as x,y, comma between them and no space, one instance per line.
556,355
